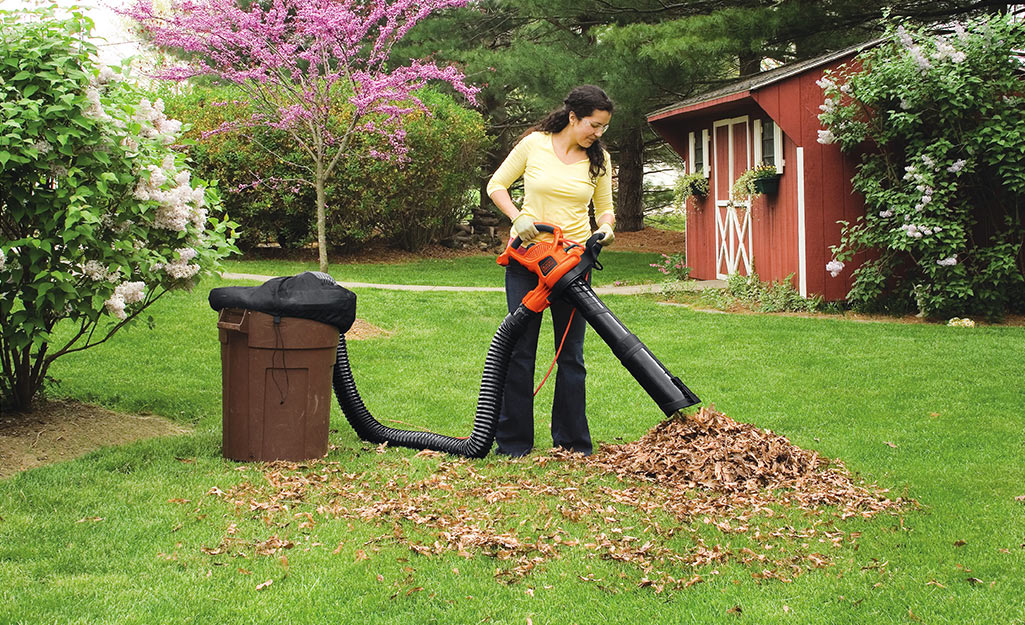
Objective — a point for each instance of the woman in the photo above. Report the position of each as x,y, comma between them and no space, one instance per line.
564,168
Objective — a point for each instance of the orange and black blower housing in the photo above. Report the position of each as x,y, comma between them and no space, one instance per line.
562,266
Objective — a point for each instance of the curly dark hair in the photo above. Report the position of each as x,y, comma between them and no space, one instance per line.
582,101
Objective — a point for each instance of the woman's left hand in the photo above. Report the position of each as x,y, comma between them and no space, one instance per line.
610,236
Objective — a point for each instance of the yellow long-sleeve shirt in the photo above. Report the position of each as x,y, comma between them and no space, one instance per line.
554,192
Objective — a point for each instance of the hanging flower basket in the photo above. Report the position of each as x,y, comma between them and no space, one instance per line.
766,185
758,180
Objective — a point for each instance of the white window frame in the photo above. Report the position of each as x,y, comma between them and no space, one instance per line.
691,142
777,144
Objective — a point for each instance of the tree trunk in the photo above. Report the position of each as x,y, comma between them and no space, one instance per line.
750,64
630,202
321,219
22,385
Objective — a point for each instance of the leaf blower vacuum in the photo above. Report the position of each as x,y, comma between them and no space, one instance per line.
561,266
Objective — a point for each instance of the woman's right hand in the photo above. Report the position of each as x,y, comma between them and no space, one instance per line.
524,228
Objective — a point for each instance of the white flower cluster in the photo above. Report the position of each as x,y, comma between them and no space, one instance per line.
94,107
912,174
919,57
950,261
155,123
957,166
106,75
917,232
124,294
180,268
3,260
946,51
826,137
834,267
42,146
958,322
905,37
94,270
130,145
179,204
922,61
886,214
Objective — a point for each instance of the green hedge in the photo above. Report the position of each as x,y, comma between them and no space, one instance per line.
407,204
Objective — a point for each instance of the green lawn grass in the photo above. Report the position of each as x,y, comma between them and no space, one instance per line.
479,270
931,412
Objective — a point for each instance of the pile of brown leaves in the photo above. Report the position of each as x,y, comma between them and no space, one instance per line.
710,452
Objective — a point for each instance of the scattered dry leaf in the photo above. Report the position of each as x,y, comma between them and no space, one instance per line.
733,476
264,584
889,444
960,543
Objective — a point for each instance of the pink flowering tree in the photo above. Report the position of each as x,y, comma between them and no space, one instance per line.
316,69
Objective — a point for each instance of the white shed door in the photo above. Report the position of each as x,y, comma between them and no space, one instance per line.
731,145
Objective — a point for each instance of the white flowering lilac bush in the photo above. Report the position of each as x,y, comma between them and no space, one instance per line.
939,122
99,215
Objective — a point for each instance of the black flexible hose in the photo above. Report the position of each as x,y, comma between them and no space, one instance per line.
489,400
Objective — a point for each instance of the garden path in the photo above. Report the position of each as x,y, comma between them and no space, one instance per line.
627,289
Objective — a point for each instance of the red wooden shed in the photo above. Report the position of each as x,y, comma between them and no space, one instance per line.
771,117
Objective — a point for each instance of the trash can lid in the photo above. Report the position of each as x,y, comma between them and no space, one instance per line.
308,295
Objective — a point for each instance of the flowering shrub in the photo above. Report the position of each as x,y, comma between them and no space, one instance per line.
939,121
673,267
99,215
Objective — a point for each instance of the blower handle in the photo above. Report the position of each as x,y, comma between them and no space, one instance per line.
542,227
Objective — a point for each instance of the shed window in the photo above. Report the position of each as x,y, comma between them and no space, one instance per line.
768,143
698,143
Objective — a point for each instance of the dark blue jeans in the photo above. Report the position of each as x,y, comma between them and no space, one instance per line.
515,432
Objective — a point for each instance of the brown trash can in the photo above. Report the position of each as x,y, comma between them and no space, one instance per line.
276,385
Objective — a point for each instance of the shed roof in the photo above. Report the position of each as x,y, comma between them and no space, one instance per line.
742,88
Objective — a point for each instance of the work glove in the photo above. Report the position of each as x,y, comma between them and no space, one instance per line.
610,236
523,227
